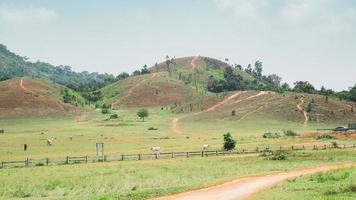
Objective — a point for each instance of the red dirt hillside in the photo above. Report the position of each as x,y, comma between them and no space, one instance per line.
30,97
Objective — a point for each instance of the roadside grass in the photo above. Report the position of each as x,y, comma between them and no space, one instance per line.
152,178
336,184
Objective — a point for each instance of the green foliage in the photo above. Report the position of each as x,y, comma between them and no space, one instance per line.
233,112
12,65
271,135
290,133
279,155
142,113
69,96
303,86
114,116
325,136
105,110
229,142
309,107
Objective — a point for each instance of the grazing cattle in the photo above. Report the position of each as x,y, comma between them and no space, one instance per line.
155,149
71,137
205,147
49,142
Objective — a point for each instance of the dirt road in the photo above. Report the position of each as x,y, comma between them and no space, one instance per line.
305,114
245,187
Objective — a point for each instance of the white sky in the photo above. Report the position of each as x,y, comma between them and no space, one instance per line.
312,40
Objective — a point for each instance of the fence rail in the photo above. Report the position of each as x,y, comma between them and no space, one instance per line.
164,155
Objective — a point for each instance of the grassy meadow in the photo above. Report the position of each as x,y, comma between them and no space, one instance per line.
146,179
337,184
128,134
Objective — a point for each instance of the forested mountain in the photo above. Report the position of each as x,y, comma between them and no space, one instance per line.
12,65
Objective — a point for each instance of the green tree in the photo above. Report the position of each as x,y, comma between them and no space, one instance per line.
142,113
229,142
303,86
258,69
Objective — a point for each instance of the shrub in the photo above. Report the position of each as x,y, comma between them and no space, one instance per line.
233,112
325,136
152,129
289,133
271,135
105,111
279,156
229,142
114,116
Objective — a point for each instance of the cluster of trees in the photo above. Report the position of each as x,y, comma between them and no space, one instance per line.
234,81
12,65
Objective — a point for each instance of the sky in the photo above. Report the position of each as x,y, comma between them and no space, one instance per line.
310,40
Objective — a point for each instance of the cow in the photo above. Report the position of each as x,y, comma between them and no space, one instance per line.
155,149
205,147
49,142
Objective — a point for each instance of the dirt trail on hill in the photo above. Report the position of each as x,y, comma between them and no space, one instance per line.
21,84
175,121
249,113
299,106
175,126
131,89
192,63
245,187
223,101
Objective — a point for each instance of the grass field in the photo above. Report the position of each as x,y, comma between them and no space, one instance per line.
130,135
338,184
144,179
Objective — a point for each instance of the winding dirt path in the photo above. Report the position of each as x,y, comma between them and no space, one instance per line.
305,114
192,63
132,88
175,121
175,126
245,187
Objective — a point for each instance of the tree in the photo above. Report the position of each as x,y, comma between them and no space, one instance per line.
142,113
229,142
303,86
258,69
136,73
122,75
144,70
309,107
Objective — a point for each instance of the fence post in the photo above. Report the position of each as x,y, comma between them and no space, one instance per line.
2,164
86,159
187,154
67,160
344,146
292,147
202,153
243,150
26,162
139,156
172,154
303,147
216,152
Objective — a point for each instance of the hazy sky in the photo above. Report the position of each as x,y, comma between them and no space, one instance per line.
313,40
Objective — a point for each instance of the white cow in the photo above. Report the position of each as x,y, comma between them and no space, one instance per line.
155,149
49,142
205,147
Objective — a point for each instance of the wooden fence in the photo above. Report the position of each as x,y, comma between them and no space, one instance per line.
165,155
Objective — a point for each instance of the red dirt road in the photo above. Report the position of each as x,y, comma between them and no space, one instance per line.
245,187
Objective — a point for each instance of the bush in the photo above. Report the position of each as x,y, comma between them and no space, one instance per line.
233,112
325,136
279,156
229,142
105,110
114,116
152,129
271,135
290,133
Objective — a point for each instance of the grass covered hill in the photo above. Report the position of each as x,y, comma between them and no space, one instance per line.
33,97
153,89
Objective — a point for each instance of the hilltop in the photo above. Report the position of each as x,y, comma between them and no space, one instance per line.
32,97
